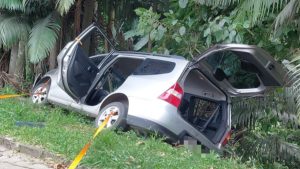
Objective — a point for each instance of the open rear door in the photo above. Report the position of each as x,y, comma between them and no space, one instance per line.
240,70
78,69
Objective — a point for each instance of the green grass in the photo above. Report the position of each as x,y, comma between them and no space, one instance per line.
65,133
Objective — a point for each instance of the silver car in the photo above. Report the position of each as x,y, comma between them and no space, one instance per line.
165,94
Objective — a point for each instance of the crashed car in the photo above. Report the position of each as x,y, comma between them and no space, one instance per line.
165,94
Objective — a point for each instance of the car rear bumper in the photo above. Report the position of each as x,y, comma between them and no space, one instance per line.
159,116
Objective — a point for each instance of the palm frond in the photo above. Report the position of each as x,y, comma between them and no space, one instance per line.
13,29
26,2
43,37
294,76
12,4
219,2
269,149
257,10
32,6
279,104
63,6
287,13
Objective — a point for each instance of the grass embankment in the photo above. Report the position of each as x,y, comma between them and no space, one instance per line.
65,133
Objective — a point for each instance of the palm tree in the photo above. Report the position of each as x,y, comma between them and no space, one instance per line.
30,25
286,10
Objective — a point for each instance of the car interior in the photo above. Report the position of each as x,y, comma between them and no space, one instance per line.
240,73
81,72
113,78
204,106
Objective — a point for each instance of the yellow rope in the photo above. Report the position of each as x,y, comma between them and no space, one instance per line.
11,96
83,151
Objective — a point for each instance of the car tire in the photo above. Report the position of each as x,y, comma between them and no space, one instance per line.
40,92
117,121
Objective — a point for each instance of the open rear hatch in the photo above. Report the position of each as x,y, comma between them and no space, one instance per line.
223,71
240,70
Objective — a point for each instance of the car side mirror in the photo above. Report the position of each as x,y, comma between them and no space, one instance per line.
219,74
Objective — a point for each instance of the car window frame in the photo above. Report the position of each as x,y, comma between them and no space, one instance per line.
211,68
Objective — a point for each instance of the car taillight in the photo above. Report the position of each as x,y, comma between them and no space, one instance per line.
173,95
227,138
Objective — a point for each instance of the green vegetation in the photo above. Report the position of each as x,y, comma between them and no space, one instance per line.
181,27
66,133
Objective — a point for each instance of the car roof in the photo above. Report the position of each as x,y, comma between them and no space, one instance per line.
150,55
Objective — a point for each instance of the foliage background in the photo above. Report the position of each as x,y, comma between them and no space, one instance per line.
33,32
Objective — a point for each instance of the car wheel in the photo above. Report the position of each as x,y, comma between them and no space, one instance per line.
40,93
117,120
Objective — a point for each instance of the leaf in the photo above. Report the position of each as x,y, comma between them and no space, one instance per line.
225,34
190,22
222,22
183,3
160,32
238,38
178,39
63,6
246,24
218,35
208,40
130,34
287,13
232,35
153,34
43,37
174,21
182,30
12,5
206,32
140,11
13,29
141,43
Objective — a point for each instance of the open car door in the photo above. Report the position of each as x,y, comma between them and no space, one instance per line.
240,70
81,63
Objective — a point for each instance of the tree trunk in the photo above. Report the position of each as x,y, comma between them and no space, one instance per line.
110,26
20,62
77,18
88,13
13,58
41,67
4,61
111,21
53,55
29,68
